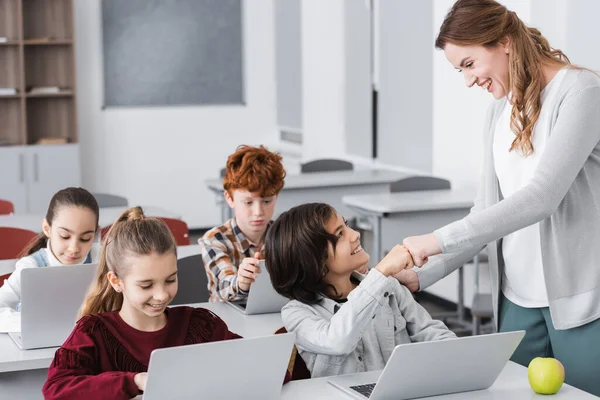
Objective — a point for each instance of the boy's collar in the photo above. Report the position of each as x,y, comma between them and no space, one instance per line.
333,306
246,244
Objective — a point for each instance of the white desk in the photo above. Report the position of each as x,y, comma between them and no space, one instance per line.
325,187
512,384
395,216
23,372
188,250
248,326
108,215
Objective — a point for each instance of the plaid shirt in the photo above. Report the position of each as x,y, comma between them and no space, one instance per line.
223,249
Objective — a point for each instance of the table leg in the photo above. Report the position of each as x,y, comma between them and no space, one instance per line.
377,253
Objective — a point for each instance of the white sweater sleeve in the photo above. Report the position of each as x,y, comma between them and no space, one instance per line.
10,292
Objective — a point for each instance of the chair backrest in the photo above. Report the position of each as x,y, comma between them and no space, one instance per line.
110,200
6,207
297,366
178,228
419,183
222,172
326,165
192,281
13,241
3,278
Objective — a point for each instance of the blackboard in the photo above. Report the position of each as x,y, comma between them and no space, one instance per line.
172,52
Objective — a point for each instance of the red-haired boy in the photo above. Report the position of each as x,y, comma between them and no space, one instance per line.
253,178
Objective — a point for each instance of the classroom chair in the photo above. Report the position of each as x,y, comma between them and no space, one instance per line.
110,200
415,183
326,165
192,281
178,228
13,241
6,207
482,306
296,367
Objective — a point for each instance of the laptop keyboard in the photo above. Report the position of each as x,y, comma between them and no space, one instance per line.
365,390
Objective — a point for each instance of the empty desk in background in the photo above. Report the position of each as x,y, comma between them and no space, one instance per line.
512,384
24,372
395,216
322,187
108,215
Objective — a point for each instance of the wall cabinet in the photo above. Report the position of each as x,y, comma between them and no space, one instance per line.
30,175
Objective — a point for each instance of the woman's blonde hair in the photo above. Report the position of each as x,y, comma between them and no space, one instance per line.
487,23
131,234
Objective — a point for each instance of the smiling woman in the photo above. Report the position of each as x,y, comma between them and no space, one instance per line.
537,207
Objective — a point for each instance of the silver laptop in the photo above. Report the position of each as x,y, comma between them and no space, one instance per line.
262,299
432,368
50,300
231,369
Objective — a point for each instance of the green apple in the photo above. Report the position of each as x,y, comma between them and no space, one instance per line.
546,375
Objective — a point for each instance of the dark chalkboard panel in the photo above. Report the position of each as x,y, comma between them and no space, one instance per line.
172,52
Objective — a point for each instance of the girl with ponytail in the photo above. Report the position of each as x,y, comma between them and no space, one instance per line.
124,316
538,207
66,239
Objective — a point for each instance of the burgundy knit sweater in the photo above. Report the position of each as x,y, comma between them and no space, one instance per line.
103,353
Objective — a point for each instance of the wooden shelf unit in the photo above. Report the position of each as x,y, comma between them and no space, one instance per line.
39,51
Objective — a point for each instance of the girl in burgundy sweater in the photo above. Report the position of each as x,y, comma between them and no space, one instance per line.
125,316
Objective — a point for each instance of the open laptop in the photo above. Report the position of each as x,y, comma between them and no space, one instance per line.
432,368
262,299
231,369
50,300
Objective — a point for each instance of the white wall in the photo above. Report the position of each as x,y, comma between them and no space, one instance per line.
323,78
161,156
583,32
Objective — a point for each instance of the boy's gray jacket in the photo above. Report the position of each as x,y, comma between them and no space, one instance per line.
359,335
